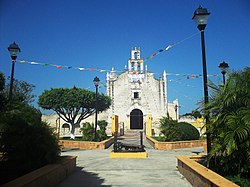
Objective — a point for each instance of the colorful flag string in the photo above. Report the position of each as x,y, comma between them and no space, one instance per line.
169,47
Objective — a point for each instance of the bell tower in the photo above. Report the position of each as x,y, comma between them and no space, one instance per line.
135,63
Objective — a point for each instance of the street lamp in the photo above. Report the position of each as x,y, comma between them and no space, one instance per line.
96,83
223,67
175,109
200,17
14,50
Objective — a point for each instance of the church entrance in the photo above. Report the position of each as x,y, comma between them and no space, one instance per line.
136,119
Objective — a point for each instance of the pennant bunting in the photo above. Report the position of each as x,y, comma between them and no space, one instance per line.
168,47
34,63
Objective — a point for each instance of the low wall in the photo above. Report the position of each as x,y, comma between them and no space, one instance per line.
198,175
87,145
174,145
49,175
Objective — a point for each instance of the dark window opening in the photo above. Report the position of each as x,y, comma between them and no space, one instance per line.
136,95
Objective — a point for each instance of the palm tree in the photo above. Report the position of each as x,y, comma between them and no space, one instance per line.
229,108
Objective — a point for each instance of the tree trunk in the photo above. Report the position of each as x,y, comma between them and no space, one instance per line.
72,131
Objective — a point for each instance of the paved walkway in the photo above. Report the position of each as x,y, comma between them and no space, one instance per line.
95,168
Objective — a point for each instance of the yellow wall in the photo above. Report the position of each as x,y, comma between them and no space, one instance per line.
149,125
114,124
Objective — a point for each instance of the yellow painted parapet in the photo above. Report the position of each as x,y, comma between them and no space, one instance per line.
198,175
128,155
149,125
114,128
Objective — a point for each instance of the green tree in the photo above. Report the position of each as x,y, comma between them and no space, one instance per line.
3,98
73,104
230,124
22,91
195,113
26,143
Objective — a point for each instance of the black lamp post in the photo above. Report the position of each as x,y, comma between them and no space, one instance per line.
96,83
223,67
175,109
14,50
200,17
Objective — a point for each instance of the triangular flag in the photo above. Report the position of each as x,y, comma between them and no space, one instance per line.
34,63
168,47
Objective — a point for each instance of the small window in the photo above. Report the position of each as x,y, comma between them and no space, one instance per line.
136,95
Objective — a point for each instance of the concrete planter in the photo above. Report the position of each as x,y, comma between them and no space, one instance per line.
174,145
87,145
49,175
198,175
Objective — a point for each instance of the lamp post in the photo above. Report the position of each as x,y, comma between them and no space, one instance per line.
96,83
175,109
223,67
200,17
14,50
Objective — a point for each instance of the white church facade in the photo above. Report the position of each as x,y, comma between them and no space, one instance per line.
135,94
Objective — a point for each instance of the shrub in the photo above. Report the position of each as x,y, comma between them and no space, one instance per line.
186,131
174,131
26,143
102,132
88,131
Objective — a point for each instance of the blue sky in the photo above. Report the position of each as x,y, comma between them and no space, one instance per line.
99,34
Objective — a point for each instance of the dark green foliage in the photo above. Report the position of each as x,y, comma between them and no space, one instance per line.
240,181
230,125
168,129
88,131
2,81
26,143
187,131
102,132
3,98
73,105
33,145
195,113
173,131
22,91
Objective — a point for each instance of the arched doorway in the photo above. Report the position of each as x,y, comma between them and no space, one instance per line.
136,119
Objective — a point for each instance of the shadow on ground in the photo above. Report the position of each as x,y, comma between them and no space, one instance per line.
83,178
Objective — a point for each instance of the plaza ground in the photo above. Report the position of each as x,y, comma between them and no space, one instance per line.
96,168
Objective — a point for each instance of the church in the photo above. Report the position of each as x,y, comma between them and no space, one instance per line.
136,95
